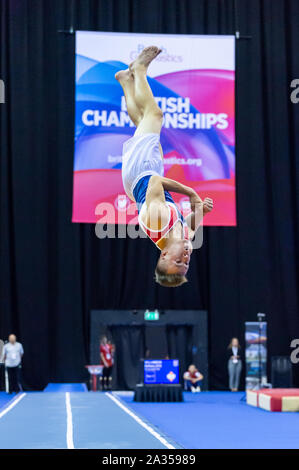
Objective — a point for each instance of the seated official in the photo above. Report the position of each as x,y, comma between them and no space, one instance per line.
193,379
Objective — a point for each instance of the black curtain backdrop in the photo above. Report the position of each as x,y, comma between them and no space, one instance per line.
156,342
179,339
129,344
53,272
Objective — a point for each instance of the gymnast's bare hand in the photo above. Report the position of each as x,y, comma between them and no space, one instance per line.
207,205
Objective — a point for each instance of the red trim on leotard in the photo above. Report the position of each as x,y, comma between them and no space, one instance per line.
157,235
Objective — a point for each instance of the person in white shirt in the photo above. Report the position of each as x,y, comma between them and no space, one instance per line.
13,353
234,364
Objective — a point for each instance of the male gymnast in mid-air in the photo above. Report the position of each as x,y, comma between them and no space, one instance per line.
142,174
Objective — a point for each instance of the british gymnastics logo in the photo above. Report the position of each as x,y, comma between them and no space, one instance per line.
165,56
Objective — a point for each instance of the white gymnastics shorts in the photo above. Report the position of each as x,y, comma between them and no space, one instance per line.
141,157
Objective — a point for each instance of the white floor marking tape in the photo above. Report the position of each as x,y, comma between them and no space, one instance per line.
139,421
12,404
69,422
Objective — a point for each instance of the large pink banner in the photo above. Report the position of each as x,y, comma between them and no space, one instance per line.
197,96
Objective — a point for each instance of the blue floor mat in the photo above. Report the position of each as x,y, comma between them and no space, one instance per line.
77,387
101,424
220,420
40,421
209,420
5,398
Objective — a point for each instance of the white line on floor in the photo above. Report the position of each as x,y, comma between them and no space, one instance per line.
139,421
12,404
69,422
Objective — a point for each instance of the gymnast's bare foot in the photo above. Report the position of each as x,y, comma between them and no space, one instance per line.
145,58
124,75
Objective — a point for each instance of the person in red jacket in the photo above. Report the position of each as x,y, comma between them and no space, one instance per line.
106,354
193,378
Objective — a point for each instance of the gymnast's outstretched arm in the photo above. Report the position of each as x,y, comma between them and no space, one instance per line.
158,184
155,193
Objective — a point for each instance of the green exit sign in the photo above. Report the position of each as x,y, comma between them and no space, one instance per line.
151,315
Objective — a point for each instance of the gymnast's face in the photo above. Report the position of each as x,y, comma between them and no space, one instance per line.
175,258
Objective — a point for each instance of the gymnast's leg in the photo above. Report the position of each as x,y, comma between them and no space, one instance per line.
126,80
141,105
152,115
